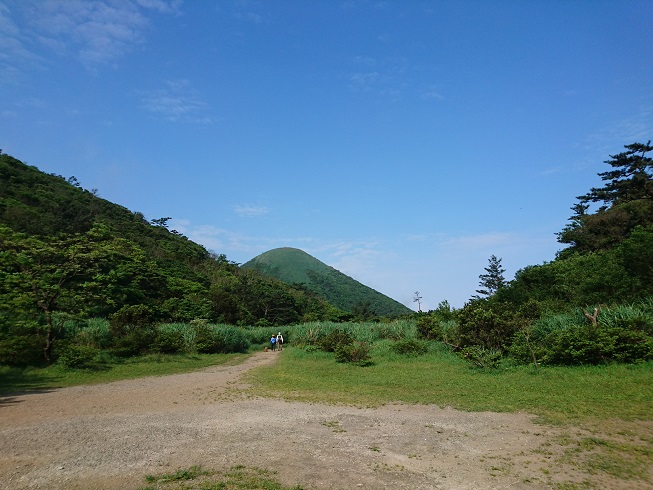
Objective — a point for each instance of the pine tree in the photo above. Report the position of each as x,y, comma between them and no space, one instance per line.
493,280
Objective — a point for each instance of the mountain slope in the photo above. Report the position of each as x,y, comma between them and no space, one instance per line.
140,263
294,266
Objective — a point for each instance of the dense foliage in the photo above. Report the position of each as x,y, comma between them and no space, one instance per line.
67,253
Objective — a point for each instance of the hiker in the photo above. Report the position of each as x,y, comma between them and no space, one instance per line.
273,342
280,341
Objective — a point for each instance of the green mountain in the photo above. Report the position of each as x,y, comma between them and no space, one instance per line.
294,266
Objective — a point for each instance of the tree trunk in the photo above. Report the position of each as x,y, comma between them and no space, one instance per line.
592,318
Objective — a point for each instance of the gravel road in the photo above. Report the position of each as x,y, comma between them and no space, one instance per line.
110,436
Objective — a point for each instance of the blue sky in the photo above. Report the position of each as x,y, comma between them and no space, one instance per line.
401,142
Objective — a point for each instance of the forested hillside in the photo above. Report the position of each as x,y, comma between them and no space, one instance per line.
65,252
294,266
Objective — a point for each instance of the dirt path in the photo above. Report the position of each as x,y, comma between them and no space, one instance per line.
111,435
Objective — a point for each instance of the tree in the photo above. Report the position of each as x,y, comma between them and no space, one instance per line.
43,279
163,222
627,202
493,280
418,299
631,179
46,275
363,311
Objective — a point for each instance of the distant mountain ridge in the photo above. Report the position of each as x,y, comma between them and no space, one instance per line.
294,266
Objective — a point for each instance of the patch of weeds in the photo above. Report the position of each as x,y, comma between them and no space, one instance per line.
235,478
410,347
588,443
574,486
389,469
376,449
333,424
617,467
598,456
189,474
432,426
501,467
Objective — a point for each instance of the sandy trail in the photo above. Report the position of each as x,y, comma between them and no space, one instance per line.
111,435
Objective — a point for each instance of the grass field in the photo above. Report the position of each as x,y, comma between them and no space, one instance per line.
558,395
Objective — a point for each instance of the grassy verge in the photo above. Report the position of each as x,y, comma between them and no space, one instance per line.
557,394
235,478
16,380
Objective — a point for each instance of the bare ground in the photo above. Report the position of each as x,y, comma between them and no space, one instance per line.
112,435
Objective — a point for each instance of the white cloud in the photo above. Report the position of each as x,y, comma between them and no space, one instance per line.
98,32
249,11
212,237
15,55
364,81
388,77
177,101
611,139
163,6
250,210
462,244
432,94
366,61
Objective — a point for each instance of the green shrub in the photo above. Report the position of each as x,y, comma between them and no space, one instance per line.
334,340
73,355
135,342
590,345
107,357
584,345
130,317
221,339
637,324
428,327
206,342
412,347
486,324
169,342
520,349
481,357
94,332
632,345
21,350
355,353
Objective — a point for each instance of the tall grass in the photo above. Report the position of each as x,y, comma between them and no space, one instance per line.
310,333
609,317
187,331
93,332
